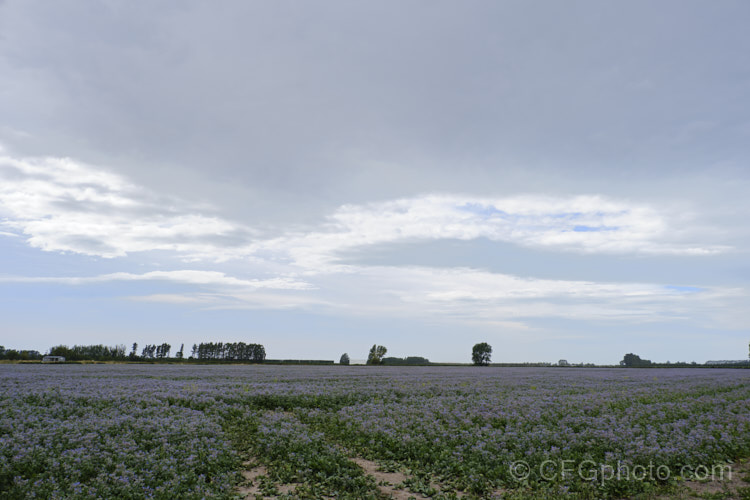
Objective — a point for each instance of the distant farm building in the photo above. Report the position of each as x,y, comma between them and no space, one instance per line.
53,359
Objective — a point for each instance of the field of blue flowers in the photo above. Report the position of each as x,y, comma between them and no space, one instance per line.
184,431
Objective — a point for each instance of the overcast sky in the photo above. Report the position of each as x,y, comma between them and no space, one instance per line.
559,179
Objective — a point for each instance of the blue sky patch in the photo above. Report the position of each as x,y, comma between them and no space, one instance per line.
684,289
593,229
484,210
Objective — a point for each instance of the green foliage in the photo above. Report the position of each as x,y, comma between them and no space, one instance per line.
633,360
162,351
15,355
409,360
299,361
376,355
234,351
344,359
66,434
97,352
295,452
459,431
163,431
481,353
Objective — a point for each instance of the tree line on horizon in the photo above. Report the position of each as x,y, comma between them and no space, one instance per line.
96,352
205,351
19,355
480,356
230,351
256,353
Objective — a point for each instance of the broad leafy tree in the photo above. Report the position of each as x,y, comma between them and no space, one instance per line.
631,360
376,355
90,352
344,359
481,353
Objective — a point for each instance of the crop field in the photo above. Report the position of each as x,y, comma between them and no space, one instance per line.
187,431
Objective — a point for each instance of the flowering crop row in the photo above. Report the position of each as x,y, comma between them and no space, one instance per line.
85,432
132,431
466,430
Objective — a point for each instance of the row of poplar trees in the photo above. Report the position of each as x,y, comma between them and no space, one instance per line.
235,351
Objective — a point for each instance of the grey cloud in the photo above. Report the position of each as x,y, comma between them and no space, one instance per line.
240,123
79,243
500,257
282,105
62,205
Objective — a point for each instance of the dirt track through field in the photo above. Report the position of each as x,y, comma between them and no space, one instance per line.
736,487
251,488
388,482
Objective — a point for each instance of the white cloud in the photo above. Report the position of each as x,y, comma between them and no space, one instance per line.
269,299
471,296
464,295
482,296
190,277
178,299
589,224
63,205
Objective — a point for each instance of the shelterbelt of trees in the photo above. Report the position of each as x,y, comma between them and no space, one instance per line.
214,351
238,351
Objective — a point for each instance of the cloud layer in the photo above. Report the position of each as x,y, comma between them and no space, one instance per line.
589,224
63,205
60,205
187,277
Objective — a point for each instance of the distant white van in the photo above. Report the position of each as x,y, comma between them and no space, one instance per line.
53,359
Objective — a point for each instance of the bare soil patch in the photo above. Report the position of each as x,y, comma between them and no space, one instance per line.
250,489
387,481
720,485
390,484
